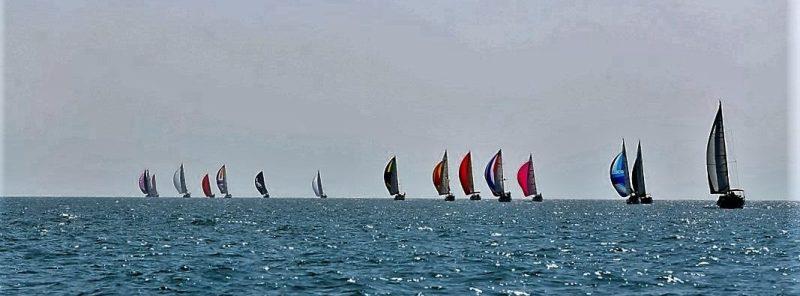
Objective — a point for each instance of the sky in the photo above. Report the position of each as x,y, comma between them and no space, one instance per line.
97,91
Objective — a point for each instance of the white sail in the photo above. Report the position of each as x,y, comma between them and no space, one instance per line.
316,184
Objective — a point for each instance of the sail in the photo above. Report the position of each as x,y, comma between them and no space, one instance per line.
143,182
179,180
494,174
260,185
390,177
207,187
637,176
619,173
153,190
526,179
441,178
222,180
465,174
316,184
716,157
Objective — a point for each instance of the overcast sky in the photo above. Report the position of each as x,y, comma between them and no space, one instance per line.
97,91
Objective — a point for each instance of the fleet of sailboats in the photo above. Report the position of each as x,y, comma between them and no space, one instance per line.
441,179
391,181
527,180
628,184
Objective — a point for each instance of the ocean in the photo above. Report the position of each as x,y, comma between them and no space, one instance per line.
336,246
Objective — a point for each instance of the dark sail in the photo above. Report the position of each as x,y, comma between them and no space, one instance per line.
716,157
390,177
638,174
260,185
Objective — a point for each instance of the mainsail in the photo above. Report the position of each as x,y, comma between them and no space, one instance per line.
143,182
222,180
619,173
153,190
316,184
441,178
637,176
179,180
526,178
390,177
494,174
465,174
716,157
207,187
260,185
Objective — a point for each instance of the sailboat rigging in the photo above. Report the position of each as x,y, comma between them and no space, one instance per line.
222,182
316,184
465,177
494,177
637,178
391,181
441,179
717,167
179,180
527,180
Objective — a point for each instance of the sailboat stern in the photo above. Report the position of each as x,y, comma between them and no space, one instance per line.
733,199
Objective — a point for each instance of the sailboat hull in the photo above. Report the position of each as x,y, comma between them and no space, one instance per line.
731,200
537,198
450,197
633,200
227,196
505,197
475,197
400,196
265,196
647,200
187,195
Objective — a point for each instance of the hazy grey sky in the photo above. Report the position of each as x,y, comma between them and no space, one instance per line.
96,91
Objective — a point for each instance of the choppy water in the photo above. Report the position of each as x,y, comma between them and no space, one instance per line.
372,246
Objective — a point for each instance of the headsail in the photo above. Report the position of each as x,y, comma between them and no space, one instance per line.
260,185
494,174
222,180
153,190
316,184
441,178
637,176
179,180
716,157
526,178
143,179
619,173
207,187
390,177
465,174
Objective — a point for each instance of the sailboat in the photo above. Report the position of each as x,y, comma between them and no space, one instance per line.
390,180
638,178
494,177
179,180
527,180
207,187
222,182
620,176
441,179
316,184
144,183
465,176
261,186
717,166
153,190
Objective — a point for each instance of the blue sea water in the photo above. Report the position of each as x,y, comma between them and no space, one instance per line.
377,246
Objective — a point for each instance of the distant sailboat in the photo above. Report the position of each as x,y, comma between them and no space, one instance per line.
153,190
261,186
144,183
391,181
441,179
527,180
207,187
316,184
620,176
465,176
638,178
494,177
179,180
717,166
222,182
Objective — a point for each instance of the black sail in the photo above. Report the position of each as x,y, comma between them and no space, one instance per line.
638,174
716,157
390,177
260,185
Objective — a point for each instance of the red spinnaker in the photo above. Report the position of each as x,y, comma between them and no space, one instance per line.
465,174
207,187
